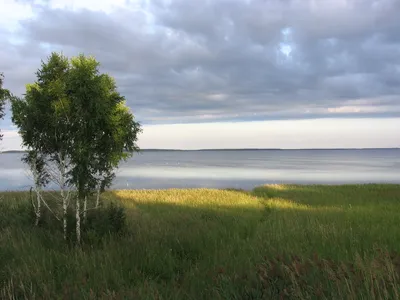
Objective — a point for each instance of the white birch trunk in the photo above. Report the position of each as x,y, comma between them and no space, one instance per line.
38,211
64,217
78,220
38,208
84,210
63,196
98,196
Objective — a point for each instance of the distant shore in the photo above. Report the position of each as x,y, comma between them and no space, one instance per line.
240,149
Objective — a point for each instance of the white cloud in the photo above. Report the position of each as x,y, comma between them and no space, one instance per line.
11,140
11,12
106,6
363,109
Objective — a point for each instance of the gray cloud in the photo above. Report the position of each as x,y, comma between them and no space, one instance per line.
184,61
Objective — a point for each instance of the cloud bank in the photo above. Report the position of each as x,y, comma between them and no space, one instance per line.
190,61
180,61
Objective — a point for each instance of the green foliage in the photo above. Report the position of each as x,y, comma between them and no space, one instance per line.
314,242
37,162
104,131
4,95
109,219
75,113
40,117
73,119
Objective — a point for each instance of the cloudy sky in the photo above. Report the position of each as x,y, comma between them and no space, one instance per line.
226,73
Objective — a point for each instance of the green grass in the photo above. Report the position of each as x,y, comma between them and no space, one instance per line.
275,242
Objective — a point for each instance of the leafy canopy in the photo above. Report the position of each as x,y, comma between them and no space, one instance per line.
73,112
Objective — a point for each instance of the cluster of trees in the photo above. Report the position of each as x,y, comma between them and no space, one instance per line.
76,128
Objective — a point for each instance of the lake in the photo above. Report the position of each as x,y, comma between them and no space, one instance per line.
235,168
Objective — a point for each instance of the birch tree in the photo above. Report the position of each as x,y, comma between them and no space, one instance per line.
36,163
74,116
42,119
103,130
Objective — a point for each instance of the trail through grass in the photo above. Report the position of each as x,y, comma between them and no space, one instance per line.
277,241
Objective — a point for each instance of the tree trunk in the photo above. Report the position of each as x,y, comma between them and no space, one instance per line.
63,196
78,220
84,210
38,207
64,217
38,200
98,197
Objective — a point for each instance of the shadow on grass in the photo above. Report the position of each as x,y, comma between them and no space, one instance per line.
277,224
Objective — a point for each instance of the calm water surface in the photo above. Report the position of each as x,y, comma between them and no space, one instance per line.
237,169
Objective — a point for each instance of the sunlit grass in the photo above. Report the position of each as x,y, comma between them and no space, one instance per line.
298,242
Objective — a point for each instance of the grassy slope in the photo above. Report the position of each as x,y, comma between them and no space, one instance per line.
282,240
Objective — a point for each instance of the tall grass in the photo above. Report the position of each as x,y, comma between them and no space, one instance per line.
277,241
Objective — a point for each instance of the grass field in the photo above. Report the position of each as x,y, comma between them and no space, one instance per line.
275,242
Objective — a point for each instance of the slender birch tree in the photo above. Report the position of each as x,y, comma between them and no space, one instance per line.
42,119
103,130
36,163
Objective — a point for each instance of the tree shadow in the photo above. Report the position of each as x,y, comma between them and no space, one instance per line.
294,212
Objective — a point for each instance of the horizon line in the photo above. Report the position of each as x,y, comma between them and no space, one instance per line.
244,149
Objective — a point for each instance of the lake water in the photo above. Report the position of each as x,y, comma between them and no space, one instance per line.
235,169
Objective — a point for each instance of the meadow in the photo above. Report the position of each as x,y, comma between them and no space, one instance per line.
274,242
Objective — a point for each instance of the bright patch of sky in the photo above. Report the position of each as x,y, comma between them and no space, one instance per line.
294,134
285,45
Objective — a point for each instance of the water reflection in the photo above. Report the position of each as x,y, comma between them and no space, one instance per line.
238,169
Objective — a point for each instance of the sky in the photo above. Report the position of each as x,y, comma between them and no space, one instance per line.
225,73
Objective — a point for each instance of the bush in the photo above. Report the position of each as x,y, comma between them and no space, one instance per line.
109,219
106,220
